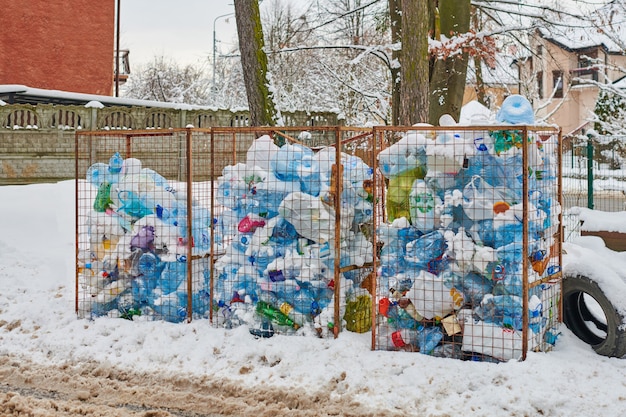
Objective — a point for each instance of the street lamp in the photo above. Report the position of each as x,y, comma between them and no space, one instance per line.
215,44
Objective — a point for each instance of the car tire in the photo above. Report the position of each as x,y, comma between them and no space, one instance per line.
606,335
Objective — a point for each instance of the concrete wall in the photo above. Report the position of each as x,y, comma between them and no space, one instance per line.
37,142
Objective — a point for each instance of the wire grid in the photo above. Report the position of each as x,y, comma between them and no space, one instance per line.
470,258
292,245
143,225
593,173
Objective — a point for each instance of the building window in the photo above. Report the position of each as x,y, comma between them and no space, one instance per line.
539,50
540,84
557,83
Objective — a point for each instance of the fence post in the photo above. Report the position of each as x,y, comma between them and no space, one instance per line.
589,172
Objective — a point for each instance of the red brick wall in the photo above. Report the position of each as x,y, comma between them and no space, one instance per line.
64,45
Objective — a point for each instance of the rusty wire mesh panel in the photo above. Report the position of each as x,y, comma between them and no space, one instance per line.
143,225
286,227
470,261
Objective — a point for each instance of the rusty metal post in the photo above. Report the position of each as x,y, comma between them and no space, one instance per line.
189,226
76,220
374,280
337,175
525,231
212,250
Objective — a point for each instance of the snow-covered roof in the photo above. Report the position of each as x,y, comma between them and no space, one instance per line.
21,94
606,27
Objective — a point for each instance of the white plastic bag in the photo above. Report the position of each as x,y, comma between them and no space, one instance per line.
479,198
261,152
312,218
432,298
492,340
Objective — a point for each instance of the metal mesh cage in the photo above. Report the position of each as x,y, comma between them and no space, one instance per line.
445,241
285,246
469,265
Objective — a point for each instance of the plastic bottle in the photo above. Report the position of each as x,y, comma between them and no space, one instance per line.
168,308
261,152
261,257
149,269
406,154
225,283
398,192
425,249
406,304
403,339
287,161
115,163
309,174
473,286
424,206
98,173
536,321
173,275
278,315
396,316
502,310
283,233
448,350
428,338
516,109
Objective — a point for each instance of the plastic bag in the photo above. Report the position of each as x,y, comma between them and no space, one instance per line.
312,218
261,152
479,198
398,193
432,298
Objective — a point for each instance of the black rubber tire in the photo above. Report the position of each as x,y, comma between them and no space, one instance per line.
578,318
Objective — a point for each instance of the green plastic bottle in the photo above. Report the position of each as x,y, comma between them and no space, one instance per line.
278,315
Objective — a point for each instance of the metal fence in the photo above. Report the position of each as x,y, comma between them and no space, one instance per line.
594,177
439,240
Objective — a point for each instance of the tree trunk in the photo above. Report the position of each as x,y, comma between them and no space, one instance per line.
414,65
395,17
448,76
254,63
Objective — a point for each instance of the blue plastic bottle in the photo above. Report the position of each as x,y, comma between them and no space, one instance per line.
309,173
173,275
287,161
115,163
502,310
428,338
427,248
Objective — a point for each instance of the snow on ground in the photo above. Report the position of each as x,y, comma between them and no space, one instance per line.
38,324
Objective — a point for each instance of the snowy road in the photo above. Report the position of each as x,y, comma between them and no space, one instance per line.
98,390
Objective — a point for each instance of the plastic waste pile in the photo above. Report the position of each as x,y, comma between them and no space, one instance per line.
137,262
450,274
277,231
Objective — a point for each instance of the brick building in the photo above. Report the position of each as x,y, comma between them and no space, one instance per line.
64,45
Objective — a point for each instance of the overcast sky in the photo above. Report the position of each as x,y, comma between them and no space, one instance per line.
182,30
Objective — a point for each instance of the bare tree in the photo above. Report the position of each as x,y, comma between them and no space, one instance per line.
254,63
164,80
414,65
448,73
395,22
